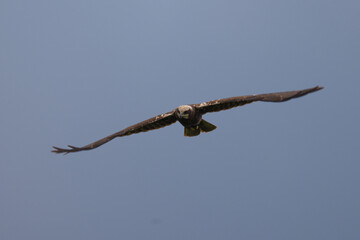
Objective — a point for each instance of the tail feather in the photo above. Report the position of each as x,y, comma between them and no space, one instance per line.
206,126
203,126
191,131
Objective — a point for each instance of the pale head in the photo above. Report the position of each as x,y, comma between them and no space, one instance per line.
183,111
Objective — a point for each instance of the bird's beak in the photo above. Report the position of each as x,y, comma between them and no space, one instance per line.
185,116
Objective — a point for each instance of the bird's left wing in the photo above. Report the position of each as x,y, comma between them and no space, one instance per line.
156,122
227,103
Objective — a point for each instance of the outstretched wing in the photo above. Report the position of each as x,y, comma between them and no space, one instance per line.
157,122
227,103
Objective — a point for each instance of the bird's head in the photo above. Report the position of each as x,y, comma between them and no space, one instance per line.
184,111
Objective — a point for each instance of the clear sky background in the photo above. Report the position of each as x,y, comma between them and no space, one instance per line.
72,72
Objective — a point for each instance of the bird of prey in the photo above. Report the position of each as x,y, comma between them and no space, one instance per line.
190,116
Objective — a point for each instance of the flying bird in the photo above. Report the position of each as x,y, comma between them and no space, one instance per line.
190,116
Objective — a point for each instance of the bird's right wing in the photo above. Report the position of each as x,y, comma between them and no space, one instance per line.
156,122
227,103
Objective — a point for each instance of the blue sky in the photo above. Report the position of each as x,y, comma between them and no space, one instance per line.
72,72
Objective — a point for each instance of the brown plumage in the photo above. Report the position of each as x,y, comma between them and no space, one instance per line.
190,116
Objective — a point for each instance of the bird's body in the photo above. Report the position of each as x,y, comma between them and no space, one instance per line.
187,115
190,116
